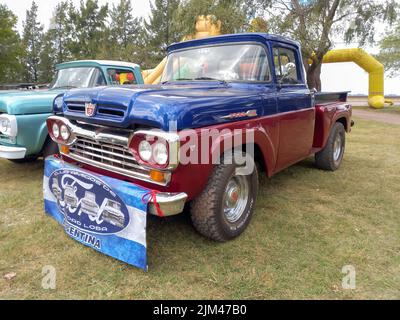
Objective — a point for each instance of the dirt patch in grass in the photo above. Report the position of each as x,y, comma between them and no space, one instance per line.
392,117
307,226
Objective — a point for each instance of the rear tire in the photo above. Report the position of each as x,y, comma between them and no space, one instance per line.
330,158
225,207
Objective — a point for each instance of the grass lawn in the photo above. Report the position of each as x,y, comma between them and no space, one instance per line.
307,226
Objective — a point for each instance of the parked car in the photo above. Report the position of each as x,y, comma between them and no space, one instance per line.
23,114
232,83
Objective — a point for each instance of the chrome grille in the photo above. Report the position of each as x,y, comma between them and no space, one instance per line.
104,153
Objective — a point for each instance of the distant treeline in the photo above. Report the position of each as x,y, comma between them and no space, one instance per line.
92,31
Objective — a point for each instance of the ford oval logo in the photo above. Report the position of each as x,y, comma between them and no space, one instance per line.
90,109
87,202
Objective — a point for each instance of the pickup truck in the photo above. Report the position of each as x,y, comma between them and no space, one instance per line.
229,109
23,114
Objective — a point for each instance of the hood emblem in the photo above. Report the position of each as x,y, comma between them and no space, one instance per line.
249,113
90,109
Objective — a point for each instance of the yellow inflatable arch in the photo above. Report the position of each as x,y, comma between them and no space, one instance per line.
376,98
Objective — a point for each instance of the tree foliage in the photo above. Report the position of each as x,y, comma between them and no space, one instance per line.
10,49
32,39
230,12
389,53
87,26
161,30
92,31
317,24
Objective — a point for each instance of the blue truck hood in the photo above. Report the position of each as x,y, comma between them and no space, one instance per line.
191,105
27,102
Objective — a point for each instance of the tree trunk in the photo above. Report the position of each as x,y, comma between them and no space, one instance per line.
314,76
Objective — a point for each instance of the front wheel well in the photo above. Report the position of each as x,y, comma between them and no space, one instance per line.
258,156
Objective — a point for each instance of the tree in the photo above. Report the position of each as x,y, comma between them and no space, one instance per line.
87,27
124,27
160,31
10,48
389,53
124,33
318,23
55,42
232,14
59,31
32,40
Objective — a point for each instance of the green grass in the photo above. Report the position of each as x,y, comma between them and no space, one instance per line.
386,109
307,226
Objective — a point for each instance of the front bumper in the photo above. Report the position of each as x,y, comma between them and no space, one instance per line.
12,153
170,203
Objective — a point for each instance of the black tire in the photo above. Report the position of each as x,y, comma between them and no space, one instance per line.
207,210
50,148
327,159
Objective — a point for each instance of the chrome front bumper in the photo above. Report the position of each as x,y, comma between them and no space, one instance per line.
12,152
170,203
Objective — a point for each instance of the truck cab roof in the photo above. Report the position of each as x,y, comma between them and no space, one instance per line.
237,37
95,63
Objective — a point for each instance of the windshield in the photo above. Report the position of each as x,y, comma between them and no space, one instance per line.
237,62
73,78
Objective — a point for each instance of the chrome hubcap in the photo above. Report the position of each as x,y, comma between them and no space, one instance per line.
337,148
236,197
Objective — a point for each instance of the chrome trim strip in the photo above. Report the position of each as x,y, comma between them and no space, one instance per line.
124,172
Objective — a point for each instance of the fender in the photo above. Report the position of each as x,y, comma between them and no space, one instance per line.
325,117
235,136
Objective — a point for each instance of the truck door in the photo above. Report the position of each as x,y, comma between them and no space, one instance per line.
296,111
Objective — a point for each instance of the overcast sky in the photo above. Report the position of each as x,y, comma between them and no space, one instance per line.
335,77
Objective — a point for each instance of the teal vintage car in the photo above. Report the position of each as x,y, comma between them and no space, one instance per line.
23,131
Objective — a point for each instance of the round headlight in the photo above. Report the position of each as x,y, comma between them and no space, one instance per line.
64,132
145,150
56,130
5,126
58,103
160,153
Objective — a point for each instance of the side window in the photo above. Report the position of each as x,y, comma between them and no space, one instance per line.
99,79
286,67
121,77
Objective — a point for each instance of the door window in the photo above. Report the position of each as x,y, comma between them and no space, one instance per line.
121,76
286,67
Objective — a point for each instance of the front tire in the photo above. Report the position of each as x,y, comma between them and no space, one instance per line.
330,158
225,207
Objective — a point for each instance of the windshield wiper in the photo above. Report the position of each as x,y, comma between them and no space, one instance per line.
212,79
65,87
179,79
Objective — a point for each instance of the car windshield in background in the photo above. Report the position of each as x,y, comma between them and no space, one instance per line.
73,78
238,62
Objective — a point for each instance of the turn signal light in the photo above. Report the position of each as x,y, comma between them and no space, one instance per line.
157,176
64,149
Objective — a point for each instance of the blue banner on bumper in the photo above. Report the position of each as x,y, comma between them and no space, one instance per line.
100,212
